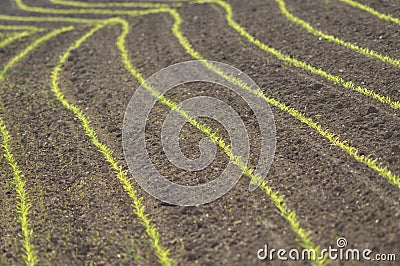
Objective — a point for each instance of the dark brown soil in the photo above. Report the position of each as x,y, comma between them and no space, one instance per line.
80,213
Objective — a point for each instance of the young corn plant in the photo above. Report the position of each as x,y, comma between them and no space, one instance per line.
289,61
362,50
23,201
138,208
372,11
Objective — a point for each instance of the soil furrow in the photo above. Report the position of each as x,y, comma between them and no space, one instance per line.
79,210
